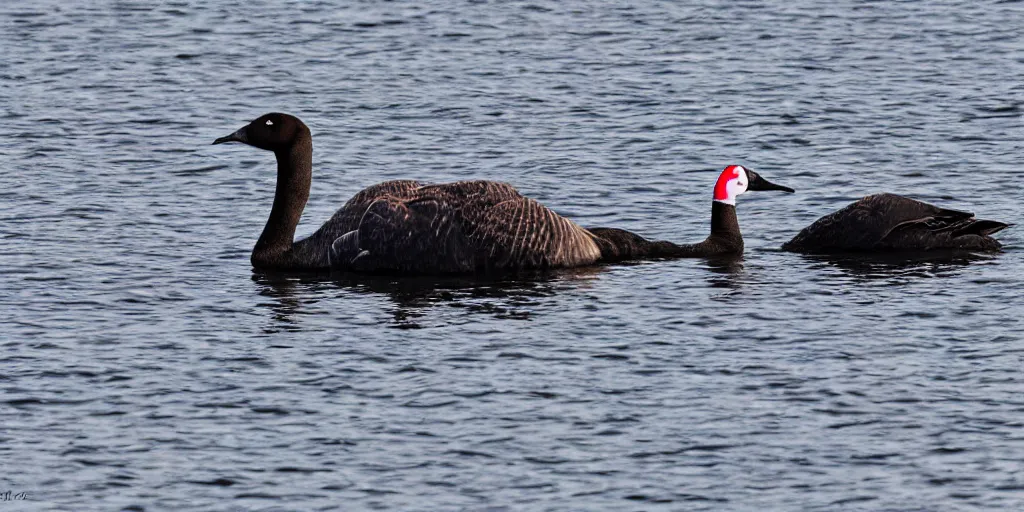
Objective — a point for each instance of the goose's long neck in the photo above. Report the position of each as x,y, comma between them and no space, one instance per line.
724,223
294,176
725,237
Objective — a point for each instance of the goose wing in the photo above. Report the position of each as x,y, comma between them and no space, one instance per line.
864,223
943,231
314,250
462,227
347,218
522,233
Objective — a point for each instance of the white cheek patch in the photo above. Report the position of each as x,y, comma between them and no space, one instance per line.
735,187
738,185
270,123
731,183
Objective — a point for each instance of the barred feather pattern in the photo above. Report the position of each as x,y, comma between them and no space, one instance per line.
468,226
312,252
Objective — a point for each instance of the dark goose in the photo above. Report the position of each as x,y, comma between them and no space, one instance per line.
892,223
462,227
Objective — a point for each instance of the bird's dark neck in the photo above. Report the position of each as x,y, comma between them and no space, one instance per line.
294,176
725,228
725,239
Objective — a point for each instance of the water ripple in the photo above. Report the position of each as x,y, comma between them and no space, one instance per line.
147,367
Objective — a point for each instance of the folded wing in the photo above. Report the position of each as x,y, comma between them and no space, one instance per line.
461,227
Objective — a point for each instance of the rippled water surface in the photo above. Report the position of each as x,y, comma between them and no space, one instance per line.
145,366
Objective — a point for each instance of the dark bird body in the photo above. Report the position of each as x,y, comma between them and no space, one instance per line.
462,227
892,223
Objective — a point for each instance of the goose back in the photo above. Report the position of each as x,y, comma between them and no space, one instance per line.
890,222
348,217
468,226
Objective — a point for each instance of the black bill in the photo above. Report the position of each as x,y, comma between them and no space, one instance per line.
756,182
238,136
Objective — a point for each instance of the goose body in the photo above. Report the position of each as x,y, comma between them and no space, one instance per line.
892,223
463,227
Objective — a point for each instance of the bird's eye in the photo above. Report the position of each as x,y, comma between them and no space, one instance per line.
270,123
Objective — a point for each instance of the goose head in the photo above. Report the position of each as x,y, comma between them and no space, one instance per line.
272,132
736,179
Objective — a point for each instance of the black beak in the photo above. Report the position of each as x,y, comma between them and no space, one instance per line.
758,183
238,136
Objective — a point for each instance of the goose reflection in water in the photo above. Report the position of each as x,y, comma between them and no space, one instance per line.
725,272
900,266
508,297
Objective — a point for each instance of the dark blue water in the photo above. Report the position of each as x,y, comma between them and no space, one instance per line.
145,366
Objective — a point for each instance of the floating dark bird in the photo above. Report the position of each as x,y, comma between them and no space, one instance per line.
463,227
892,223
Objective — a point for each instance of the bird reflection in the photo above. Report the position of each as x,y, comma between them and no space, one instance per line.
869,267
503,297
286,292
725,271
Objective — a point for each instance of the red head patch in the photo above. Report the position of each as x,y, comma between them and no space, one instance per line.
722,186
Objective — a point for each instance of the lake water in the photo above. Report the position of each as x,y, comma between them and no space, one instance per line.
146,367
